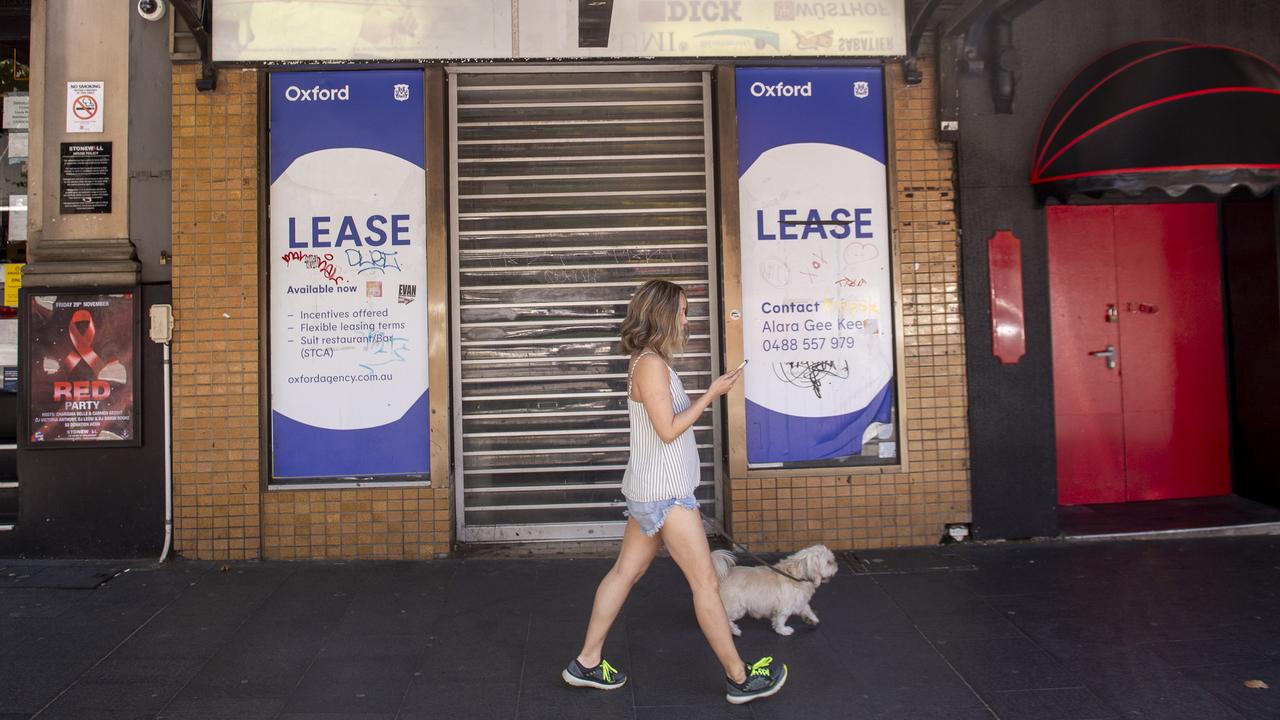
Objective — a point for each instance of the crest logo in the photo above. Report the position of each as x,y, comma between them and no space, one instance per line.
861,89
402,92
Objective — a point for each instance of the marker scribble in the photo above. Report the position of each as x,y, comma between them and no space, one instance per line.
810,375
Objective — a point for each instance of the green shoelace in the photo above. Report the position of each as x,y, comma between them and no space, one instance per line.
609,671
761,667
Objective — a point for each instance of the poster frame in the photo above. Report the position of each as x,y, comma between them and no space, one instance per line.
268,480
25,407
731,261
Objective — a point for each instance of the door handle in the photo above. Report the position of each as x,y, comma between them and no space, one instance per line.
1109,354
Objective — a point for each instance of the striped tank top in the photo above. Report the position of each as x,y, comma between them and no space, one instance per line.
657,470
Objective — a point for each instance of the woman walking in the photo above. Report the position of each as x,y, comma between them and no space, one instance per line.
658,484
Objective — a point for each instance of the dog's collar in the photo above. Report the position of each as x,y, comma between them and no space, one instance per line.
789,576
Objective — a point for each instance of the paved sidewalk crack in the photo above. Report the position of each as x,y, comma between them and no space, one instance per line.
944,658
109,653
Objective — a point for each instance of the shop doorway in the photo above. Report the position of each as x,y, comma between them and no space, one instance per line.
1139,368
570,186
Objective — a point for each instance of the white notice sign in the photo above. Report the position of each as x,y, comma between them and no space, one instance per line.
84,107
17,209
18,148
17,108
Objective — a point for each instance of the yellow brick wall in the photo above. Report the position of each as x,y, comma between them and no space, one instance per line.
215,300
905,508
220,510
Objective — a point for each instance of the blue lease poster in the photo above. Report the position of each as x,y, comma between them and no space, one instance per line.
816,287
348,272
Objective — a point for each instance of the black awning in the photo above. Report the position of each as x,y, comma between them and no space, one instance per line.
1167,115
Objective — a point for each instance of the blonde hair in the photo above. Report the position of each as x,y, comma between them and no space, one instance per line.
653,320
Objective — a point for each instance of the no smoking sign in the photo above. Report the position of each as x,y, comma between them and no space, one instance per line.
84,107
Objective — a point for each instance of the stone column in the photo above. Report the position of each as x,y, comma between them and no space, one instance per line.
78,40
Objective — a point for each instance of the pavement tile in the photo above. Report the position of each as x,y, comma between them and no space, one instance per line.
557,701
32,603
158,670
124,696
809,702
469,647
353,685
1227,683
428,697
1050,704
336,716
671,663
1137,685
29,681
851,605
392,612
1006,664
179,637
928,707
247,669
348,644
222,709
95,714
718,711
1229,651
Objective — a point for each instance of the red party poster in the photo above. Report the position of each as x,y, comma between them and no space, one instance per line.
81,374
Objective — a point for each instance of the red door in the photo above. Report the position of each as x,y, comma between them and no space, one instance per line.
1138,361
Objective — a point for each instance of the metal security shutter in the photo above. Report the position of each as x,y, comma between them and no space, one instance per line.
570,188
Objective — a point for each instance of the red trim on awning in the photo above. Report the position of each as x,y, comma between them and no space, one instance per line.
1036,166
1035,177
1161,168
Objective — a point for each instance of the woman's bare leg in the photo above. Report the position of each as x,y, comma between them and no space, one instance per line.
682,532
633,560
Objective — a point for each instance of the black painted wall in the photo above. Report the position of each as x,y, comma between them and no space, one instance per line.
98,502
1251,263
1011,406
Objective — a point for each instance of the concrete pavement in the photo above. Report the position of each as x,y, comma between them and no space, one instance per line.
1168,630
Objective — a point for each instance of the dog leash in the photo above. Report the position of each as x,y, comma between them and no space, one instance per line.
718,529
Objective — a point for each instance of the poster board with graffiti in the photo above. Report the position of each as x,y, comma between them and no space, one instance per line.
81,375
818,322
348,277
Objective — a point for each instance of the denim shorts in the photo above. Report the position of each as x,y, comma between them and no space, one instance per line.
651,515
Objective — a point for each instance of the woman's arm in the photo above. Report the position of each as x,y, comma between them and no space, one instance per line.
653,385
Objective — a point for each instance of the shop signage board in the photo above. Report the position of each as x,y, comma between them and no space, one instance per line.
817,294
82,375
348,275
718,28
84,106
258,30
84,178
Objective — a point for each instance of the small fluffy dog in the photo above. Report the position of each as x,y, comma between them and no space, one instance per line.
763,593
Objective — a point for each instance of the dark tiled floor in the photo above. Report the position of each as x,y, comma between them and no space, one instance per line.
1163,515
1165,630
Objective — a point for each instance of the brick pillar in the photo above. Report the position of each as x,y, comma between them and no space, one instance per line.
216,423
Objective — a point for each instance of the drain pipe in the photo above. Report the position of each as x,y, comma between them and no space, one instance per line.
162,332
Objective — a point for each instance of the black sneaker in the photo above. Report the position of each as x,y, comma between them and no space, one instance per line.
602,677
762,681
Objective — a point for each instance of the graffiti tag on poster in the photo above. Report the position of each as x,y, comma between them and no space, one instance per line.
81,375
